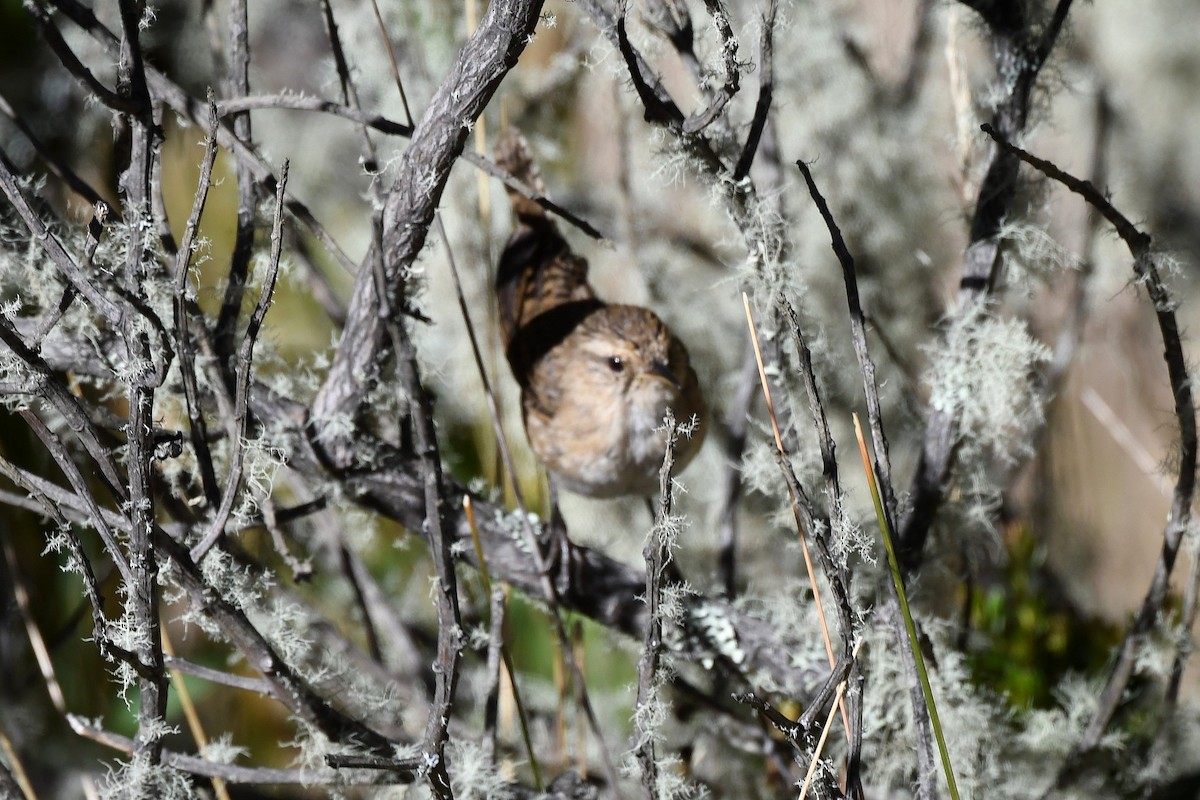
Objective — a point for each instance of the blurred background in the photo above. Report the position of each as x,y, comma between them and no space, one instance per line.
1047,550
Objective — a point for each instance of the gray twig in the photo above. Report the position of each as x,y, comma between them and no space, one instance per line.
241,412
657,555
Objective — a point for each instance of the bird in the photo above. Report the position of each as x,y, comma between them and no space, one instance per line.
597,379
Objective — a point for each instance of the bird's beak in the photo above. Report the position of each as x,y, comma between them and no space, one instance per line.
660,370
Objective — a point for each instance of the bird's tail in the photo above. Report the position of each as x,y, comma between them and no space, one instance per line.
512,155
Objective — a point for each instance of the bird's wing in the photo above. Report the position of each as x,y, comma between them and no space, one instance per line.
538,272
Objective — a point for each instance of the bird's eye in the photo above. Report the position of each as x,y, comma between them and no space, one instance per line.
616,364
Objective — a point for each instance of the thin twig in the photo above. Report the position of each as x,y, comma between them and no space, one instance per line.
40,652
820,748
195,726
729,46
12,772
498,651
657,555
79,484
237,83
490,167
245,365
1019,56
141,594
795,498
257,685
1179,517
298,102
858,330
115,101
766,87
230,773
197,427
66,264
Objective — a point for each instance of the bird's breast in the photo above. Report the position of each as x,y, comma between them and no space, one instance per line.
599,440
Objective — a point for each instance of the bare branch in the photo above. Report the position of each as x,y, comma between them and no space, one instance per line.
244,367
1180,514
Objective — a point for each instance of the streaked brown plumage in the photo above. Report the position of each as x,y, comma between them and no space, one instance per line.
596,379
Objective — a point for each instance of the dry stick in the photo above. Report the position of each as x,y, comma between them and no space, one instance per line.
189,712
549,589
820,748
833,495
656,555
859,336
297,102
237,85
490,167
47,498
1019,60
184,104
40,651
766,87
349,91
241,414
497,602
825,441
499,605
75,477
1139,245
67,265
449,637
301,570
51,389
278,680
182,665
882,464
702,119
230,773
197,427
12,773
141,595
808,565
387,42
115,101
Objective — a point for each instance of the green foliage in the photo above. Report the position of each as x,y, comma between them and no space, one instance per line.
1024,636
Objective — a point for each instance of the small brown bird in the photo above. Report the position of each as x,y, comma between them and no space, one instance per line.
596,379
